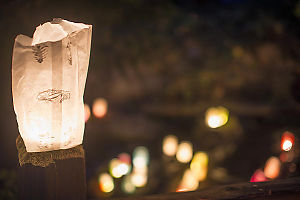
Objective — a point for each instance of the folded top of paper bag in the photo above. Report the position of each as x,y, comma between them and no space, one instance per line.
55,30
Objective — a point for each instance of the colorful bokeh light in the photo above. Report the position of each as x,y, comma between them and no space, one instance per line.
185,152
106,183
287,141
99,107
170,144
272,167
216,117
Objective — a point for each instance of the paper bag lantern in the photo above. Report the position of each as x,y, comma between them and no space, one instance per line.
48,79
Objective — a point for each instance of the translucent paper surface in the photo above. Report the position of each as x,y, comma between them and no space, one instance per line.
48,79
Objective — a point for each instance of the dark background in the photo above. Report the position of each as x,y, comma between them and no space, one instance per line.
160,65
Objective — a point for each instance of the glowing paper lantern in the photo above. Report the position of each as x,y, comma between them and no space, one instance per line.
216,116
106,183
287,141
185,152
99,107
170,144
48,80
272,167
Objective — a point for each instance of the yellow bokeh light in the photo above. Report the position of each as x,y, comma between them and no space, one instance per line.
199,165
128,186
189,182
200,158
216,117
272,167
117,168
87,112
106,183
99,107
170,144
185,152
139,179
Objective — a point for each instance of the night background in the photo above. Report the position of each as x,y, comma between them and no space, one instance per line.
158,67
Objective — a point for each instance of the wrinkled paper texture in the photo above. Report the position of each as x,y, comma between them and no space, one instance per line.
48,79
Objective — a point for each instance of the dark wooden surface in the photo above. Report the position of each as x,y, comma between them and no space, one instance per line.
285,189
62,180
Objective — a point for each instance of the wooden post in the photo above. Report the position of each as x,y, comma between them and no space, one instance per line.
53,175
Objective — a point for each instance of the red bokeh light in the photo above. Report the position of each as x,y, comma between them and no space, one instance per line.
287,141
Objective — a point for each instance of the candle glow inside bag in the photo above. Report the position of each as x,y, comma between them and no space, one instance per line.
48,79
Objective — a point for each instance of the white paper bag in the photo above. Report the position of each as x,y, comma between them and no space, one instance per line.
48,79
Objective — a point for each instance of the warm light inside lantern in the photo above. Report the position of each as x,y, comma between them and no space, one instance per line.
48,80
170,144
185,152
216,117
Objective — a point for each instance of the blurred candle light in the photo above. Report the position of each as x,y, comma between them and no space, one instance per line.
216,116
199,165
87,112
170,144
185,152
258,176
117,168
127,185
106,183
272,167
287,141
139,179
140,157
188,183
99,107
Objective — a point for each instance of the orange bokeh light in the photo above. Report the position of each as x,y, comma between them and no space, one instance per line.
100,107
272,167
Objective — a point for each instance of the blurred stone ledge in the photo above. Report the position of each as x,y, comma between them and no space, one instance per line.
287,189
